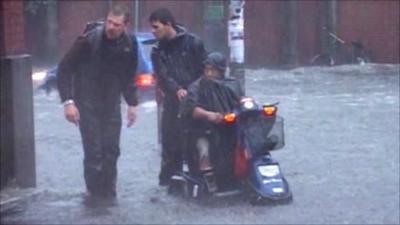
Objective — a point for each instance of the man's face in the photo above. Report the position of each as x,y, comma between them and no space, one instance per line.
115,26
160,30
211,72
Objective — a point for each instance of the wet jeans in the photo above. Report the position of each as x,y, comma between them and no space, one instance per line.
100,137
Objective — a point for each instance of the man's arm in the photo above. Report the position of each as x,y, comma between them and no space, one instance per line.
69,66
199,55
194,108
130,93
166,83
130,96
130,89
191,101
200,113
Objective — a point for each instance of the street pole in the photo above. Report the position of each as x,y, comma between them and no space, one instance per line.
17,122
328,19
291,34
136,22
52,33
236,40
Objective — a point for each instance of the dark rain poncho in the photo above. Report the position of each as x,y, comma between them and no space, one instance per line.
213,95
216,96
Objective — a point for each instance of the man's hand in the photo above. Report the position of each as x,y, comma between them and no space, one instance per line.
200,113
215,117
131,115
181,93
71,113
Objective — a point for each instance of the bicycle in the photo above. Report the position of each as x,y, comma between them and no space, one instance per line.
340,51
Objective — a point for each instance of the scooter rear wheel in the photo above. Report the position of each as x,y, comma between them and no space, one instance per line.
322,60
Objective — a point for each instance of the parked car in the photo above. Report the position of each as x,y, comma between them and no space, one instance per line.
144,78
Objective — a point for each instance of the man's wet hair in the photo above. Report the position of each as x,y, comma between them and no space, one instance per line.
120,10
163,15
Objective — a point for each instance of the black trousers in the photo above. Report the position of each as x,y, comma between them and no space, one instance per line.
171,140
100,134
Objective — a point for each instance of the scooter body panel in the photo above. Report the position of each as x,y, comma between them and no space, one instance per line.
266,179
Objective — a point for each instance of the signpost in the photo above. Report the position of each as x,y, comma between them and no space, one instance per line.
236,40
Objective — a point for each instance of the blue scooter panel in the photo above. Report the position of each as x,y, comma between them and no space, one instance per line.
267,180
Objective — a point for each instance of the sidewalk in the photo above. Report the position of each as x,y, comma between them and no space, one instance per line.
13,198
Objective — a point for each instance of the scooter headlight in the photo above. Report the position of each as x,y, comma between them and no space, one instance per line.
248,105
269,170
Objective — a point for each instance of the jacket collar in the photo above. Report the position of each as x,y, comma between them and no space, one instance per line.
180,32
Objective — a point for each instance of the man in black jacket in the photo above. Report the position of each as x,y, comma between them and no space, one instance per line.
177,59
91,78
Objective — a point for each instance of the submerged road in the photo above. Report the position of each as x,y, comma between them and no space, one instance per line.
341,157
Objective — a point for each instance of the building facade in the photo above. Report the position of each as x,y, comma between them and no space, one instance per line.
276,32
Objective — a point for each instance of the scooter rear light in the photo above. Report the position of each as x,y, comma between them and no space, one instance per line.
269,110
144,80
230,117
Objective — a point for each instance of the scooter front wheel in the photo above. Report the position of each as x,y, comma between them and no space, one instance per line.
258,200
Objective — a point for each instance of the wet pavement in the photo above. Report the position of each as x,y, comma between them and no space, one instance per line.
341,157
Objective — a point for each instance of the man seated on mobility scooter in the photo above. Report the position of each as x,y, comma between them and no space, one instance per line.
210,142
